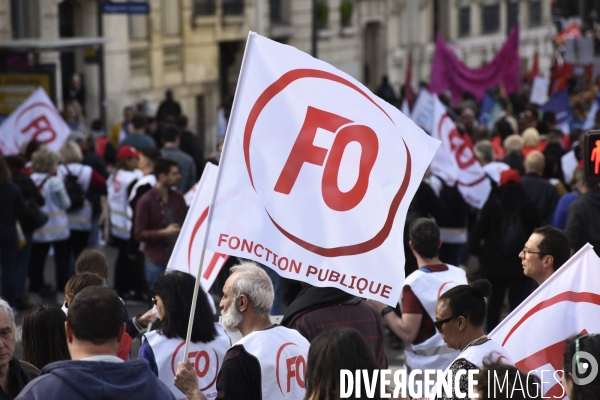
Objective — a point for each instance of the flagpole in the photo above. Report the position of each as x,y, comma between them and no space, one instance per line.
212,202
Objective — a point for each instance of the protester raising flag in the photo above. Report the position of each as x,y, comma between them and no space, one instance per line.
35,119
565,305
455,162
304,183
187,250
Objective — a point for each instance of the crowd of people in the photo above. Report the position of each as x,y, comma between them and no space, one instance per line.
124,188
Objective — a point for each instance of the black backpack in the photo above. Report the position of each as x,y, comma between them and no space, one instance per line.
74,190
513,236
458,209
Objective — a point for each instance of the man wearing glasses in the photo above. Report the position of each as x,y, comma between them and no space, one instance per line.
425,348
546,251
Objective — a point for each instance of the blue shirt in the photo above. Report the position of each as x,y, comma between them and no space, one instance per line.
559,219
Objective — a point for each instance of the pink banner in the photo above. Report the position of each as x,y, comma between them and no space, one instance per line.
449,73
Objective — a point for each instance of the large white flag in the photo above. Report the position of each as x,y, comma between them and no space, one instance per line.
455,162
566,305
36,118
316,175
187,250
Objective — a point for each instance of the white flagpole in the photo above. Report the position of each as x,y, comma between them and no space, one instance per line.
238,95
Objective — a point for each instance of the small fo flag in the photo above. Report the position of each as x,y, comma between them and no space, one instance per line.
566,305
188,248
35,119
316,175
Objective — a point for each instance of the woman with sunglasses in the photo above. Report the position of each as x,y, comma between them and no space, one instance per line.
164,348
459,315
575,361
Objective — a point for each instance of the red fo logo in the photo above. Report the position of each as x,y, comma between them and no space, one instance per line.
39,121
336,166
294,368
202,363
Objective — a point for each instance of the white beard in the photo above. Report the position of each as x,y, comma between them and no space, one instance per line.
232,318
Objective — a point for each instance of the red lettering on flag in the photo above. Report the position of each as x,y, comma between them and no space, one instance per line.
304,151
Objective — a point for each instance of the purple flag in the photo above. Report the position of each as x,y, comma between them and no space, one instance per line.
449,73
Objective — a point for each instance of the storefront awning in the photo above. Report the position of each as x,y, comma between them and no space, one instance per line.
62,44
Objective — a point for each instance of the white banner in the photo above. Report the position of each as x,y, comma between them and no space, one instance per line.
36,118
566,305
422,112
189,196
188,248
455,162
539,90
316,175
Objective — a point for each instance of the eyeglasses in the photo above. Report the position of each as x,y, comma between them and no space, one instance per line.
154,300
439,323
525,252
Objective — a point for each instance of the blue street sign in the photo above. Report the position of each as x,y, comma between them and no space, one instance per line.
125,8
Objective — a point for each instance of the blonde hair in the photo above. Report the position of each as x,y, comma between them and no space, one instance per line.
71,152
44,160
531,137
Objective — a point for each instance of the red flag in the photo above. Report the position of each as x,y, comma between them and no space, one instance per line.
570,32
410,93
535,68
561,72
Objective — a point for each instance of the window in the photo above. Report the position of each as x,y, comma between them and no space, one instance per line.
279,12
172,58
138,26
24,19
535,13
204,7
464,21
490,17
170,18
139,62
513,15
233,7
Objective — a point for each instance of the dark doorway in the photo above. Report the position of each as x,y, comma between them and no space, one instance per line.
66,29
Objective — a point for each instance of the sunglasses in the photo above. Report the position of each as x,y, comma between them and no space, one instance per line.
440,322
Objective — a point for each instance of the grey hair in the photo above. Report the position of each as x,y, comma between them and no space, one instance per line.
254,282
7,309
513,144
484,151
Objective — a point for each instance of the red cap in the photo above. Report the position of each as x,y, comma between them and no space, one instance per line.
510,177
127,152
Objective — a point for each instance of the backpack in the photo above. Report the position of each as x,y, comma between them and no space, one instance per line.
458,213
513,236
74,190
